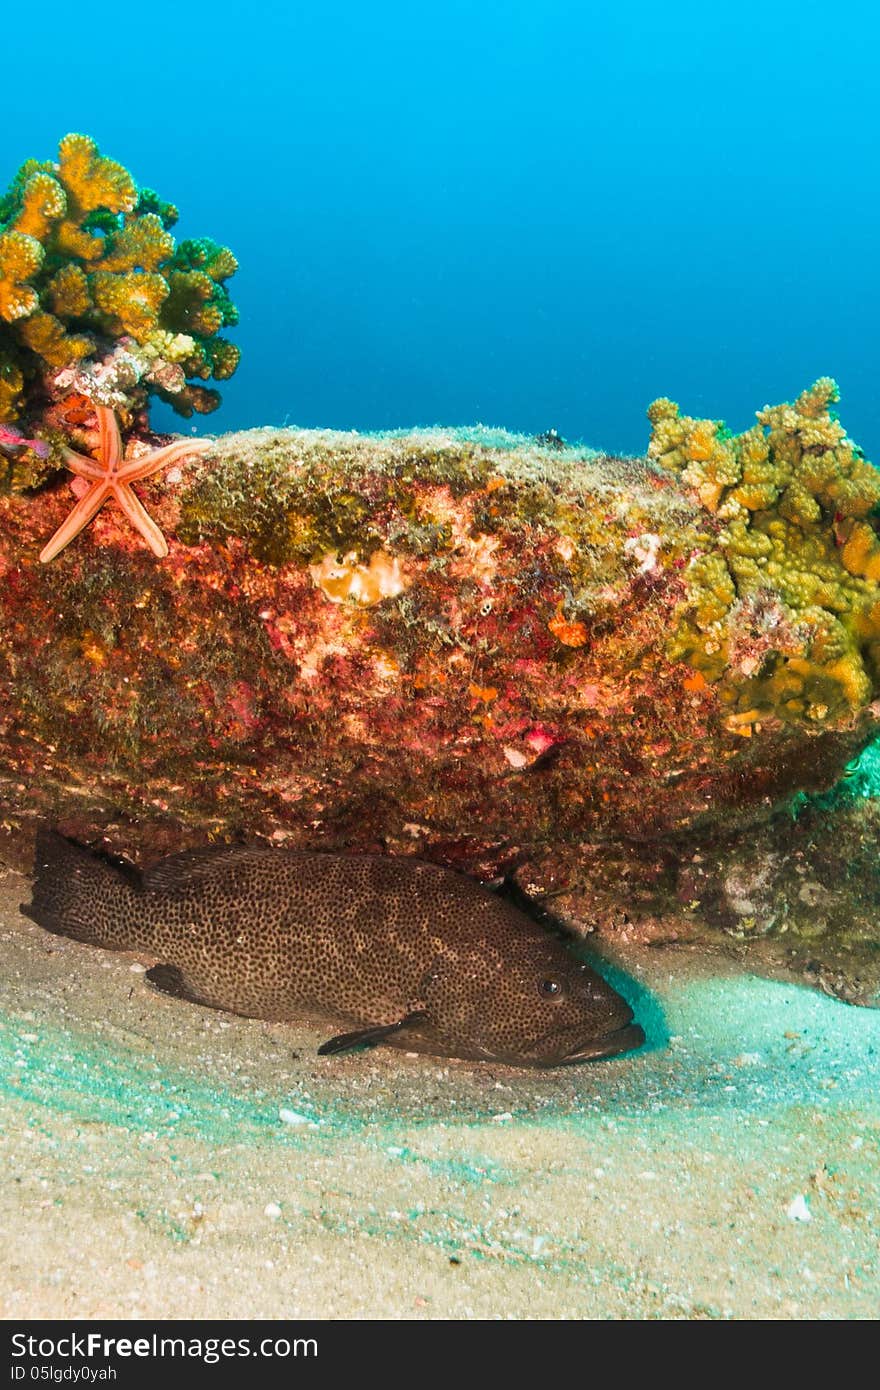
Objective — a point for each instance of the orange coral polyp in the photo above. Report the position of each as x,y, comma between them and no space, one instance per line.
570,634
702,443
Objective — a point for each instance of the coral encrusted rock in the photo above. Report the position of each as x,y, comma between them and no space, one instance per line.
460,644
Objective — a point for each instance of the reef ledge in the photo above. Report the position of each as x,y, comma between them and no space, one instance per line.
472,646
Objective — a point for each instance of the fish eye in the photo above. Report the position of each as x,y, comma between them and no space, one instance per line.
550,988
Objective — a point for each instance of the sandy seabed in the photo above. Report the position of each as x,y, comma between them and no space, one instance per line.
166,1161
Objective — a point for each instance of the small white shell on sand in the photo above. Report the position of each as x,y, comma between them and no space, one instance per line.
797,1210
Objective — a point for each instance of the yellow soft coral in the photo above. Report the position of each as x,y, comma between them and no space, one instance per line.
20,258
68,292
757,485
11,387
861,551
43,202
87,259
794,495
91,180
130,302
46,335
142,245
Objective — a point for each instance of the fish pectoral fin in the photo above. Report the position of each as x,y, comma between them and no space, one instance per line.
169,980
367,1037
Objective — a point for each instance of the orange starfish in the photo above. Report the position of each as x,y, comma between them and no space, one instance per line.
108,475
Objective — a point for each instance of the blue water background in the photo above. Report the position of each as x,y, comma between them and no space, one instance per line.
524,214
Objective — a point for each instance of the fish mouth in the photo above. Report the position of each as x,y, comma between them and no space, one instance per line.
624,1039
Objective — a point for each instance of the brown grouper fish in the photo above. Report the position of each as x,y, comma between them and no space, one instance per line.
398,950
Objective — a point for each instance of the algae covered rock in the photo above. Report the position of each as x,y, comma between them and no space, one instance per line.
457,643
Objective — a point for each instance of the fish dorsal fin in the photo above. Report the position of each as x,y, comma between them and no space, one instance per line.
194,865
367,1037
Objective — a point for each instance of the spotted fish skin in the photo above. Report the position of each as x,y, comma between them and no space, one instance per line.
428,957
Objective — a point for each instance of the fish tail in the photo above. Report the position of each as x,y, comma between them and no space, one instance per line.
83,895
